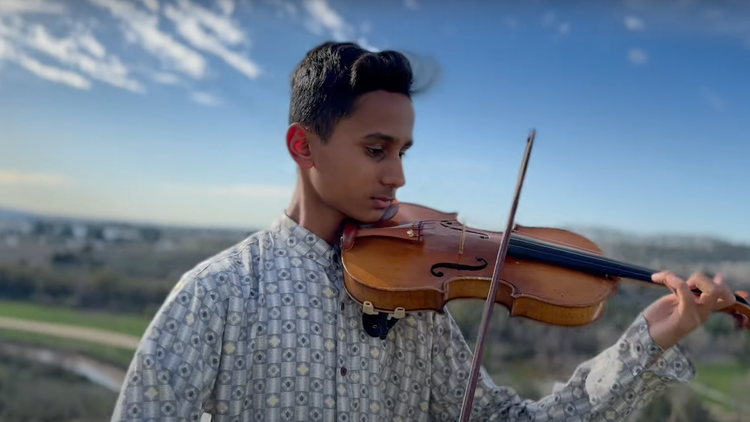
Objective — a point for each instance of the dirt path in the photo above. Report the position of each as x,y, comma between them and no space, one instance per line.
71,331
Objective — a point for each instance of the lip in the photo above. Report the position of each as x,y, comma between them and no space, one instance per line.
382,202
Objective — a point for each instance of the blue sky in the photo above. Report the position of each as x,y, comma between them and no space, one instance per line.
175,111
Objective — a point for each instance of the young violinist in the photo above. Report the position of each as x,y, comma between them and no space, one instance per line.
264,331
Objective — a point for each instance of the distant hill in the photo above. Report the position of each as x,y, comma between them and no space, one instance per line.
14,214
682,254
8,213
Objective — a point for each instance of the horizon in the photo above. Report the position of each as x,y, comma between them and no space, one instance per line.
171,112
583,230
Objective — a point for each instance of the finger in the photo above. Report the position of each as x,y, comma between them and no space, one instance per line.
709,290
726,296
686,298
701,282
661,277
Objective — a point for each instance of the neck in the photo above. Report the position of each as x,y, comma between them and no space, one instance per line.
308,210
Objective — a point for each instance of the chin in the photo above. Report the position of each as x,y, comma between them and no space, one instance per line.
368,216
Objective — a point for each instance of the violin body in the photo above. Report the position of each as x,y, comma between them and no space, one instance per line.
422,258
391,270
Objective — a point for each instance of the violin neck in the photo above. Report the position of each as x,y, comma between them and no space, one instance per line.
590,263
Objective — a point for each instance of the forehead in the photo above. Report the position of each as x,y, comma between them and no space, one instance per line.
381,112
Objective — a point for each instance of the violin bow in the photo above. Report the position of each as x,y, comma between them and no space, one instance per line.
489,304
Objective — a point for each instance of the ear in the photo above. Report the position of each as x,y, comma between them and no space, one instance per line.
298,145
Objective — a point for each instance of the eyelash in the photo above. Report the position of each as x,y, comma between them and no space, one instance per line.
375,151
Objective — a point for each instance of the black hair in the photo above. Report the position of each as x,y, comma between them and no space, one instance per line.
331,76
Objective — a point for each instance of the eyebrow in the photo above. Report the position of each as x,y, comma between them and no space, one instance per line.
377,136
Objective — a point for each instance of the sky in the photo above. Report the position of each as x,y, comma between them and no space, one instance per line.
174,111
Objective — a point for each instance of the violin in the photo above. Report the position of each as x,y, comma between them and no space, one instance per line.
419,259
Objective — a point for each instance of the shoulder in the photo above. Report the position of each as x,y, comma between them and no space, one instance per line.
229,272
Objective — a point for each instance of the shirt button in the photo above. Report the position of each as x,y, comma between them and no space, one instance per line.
342,306
343,370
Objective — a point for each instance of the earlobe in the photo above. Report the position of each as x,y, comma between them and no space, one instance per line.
297,143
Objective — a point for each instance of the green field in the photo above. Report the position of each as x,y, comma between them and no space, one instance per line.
725,377
120,323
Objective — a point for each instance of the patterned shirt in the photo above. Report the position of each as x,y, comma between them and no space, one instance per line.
263,331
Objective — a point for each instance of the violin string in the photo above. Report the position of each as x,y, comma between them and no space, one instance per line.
575,250
580,252
557,243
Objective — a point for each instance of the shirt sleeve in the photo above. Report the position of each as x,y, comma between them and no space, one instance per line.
175,365
608,387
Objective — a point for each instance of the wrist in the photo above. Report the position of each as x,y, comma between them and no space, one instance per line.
662,335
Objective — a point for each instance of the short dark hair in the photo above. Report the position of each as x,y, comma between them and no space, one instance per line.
331,76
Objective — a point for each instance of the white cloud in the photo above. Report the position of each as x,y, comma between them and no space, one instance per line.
190,19
323,17
152,5
702,17
637,56
50,73
166,78
226,6
142,27
181,35
10,7
80,50
238,190
205,98
15,177
633,23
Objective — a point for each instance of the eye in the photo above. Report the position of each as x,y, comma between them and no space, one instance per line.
375,151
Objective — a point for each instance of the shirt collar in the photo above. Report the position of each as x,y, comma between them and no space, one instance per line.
305,242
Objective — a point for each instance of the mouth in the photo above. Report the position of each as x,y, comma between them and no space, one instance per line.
382,202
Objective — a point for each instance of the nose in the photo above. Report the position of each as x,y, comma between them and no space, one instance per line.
394,175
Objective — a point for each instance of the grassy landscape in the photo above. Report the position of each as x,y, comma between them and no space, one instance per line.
525,377
102,281
134,325
41,393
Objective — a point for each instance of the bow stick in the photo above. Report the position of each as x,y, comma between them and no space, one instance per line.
489,304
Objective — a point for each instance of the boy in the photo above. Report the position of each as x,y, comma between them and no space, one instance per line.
264,331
